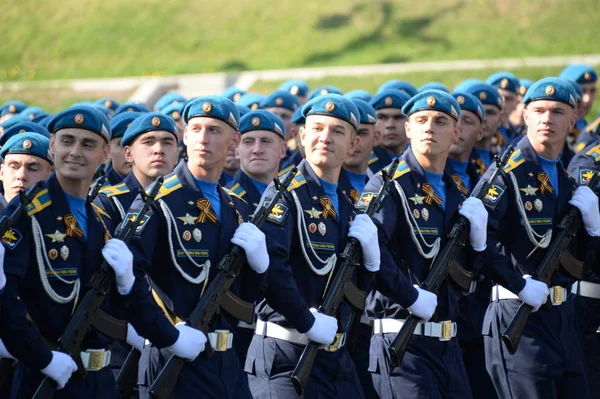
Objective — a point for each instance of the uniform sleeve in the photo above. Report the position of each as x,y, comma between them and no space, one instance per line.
391,281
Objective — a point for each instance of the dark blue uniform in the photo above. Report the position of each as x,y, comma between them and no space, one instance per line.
294,287
588,135
431,368
30,267
379,159
587,302
183,226
548,362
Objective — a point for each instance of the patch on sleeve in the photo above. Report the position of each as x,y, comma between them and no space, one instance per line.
585,175
11,238
364,200
131,216
278,213
494,194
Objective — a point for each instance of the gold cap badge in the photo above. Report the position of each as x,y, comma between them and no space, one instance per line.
431,101
254,107
27,144
236,96
482,96
522,90
108,103
279,101
587,76
206,107
176,115
324,91
329,107
550,90
78,119
156,121
294,90
504,83
255,121
388,101
12,109
460,100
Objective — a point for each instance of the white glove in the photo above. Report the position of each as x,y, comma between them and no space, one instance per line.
364,230
2,276
120,258
4,353
324,328
134,339
252,240
60,369
535,293
189,344
424,306
473,209
587,202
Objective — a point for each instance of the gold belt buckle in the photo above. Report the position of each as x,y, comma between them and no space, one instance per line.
446,330
95,360
338,342
558,296
222,340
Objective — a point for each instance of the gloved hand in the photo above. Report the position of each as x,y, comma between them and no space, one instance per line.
424,306
535,293
120,258
4,353
60,369
473,209
134,339
2,276
190,343
252,240
364,230
587,202
324,328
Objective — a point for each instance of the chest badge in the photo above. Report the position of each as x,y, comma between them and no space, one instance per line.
529,190
187,235
312,228
187,219
322,228
416,213
313,213
197,234
57,236
53,254
64,252
417,199
425,214
539,205
529,205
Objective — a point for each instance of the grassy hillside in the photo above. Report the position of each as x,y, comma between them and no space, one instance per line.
100,38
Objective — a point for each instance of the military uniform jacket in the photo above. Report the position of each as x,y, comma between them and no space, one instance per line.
543,210
379,159
3,203
38,273
302,255
347,188
117,199
471,171
287,163
243,187
176,234
402,265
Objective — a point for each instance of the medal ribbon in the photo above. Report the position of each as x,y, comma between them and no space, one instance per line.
430,195
544,181
206,211
73,230
328,209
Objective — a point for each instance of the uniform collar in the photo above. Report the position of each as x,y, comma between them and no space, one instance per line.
252,193
132,183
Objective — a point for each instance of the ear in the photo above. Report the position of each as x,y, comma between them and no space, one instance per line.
235,141
105,152
128,154
457,131
185,133
302,135
377,138
480,133
282,149
407,128
525,116
52,140
353,144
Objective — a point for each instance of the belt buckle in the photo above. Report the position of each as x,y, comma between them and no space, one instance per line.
95,360
222,340
446,330
338,342
558,295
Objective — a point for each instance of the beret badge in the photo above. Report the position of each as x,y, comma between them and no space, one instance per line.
294,90
12,109
329,107
550,90
388,101
108,103
236,96
431,101
504,83
27,144
255,121
279,101
324,91
156,121
460,100
254,107
206,107
175,115
482,96
78,119
587,76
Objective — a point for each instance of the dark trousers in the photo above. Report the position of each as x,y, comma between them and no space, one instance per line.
588,317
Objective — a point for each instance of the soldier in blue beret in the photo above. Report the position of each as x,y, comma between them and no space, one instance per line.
131,106
233,93
398,85
297,155
169,99
109,103
508,87
526,204
100,107
61,241
434,86
174,111
10,109
413,223
33,112
359,94
23,127
298,88
13,121
322,90
282,104
199,218
307,231
587,78
390,125
251,100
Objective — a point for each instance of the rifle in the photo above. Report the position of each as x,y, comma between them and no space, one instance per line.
341,286
443,262
96,187
88,312
557,254
218,296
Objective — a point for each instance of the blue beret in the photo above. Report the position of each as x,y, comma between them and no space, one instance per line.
39,118
233,93
109,103
131,106
580,73
261,119
360,94
525,85
168,99
216,107
554,89
398,85
14,120
120,123
504,80
322,90
250,100
23,127
81,117
389,98
466,84
45,120
28,143
12,107
281,99
298,118
468,102
578,90
485,93
32,112
434,86
366,112
432,100
173,110
296,87
242,109
106,111
334,105
148,122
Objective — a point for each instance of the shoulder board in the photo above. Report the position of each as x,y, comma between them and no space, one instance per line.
401,170
592,125
236,190
100,211
297,181
118,189
515,160
284,171
579,147
594,153
373,158
233,194
39,202
169,185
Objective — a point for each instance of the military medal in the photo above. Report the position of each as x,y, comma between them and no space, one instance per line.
539,205
529,190
197,234
322,228
64,252
528,206
417,199
187,235
312,228
53,254
313,213
187,219
57,236
425,214
416,213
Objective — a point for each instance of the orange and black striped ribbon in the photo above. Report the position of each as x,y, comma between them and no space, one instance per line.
430,195
544,181
73,229
206,211
461,185
328,209
354,195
